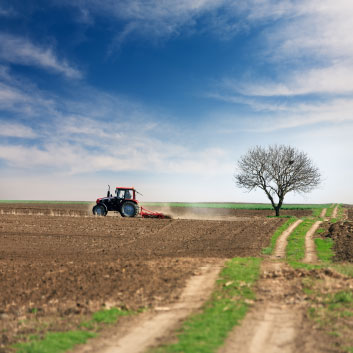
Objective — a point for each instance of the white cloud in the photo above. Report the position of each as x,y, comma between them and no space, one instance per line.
16,130
127,154
317,28
10,95
90,133
19,50
308,51
335,79
168,18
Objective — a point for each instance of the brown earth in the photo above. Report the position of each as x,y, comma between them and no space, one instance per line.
350,214
58,268
49,209
342,235
209,213
57,209
277,321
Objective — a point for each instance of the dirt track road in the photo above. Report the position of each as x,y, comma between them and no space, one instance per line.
161,322
276,324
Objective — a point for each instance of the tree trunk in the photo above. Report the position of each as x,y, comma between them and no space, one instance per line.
277,210
279,205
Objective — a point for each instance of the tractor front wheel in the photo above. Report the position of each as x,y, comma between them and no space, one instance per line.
129,209
99,210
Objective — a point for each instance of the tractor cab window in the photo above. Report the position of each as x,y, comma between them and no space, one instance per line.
123,194
120,193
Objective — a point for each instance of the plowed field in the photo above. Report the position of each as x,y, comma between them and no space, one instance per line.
79,209
61,267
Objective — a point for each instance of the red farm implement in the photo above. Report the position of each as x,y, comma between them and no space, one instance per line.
150,214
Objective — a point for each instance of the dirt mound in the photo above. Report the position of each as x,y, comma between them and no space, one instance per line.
342,234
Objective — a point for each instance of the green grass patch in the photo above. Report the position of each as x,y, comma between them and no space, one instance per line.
340,214
205,332
109,316
324,249
317,211
269,250
330,210
331,310
295,251
344,268
56,342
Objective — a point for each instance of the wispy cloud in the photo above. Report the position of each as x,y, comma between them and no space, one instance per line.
170,18
16,130
19,50
309,56
90,133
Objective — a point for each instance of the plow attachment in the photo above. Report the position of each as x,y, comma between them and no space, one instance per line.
150,214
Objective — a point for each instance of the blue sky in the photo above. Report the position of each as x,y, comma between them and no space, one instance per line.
167,95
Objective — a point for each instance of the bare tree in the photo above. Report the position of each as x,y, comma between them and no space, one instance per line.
277,170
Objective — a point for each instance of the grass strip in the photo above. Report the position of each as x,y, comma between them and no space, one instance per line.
59,342
270,249
325,253
205,332
330,210
317,211
340,214
324,249
345,269
332,311
54,342
295,250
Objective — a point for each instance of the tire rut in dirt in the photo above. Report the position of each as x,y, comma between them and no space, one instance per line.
164,320
310,248
280,250
277,322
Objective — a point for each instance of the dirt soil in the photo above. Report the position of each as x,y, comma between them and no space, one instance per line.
58,268
223,213
277,322
350,214
342,234
49,209
57,209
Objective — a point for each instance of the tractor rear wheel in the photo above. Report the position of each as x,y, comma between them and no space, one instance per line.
99,210
129,209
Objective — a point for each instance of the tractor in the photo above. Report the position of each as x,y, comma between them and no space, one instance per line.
124,202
